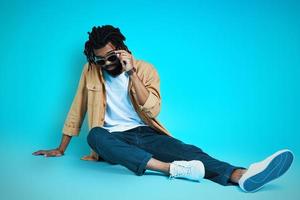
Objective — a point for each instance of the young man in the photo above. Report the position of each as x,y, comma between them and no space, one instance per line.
122,98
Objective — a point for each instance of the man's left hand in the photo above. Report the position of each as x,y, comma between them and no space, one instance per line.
126,60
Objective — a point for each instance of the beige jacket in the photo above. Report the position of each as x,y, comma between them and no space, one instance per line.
90,97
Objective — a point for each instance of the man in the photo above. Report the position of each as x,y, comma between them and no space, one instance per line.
122,98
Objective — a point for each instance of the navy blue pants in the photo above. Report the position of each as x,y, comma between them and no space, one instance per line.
135,147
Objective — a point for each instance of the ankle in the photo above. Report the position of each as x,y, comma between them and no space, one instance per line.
167,168
237,174
157,165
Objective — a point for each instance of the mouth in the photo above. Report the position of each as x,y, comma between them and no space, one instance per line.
110,67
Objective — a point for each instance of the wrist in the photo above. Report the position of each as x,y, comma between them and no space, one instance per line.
61,150
131,71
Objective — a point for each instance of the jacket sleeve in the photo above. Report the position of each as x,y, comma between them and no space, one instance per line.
78,108
153,103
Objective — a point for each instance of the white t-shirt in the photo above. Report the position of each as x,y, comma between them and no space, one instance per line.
120,114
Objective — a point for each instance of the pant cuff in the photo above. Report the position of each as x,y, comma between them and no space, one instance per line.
226,180
142,168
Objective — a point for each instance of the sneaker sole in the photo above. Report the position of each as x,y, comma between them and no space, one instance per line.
274,169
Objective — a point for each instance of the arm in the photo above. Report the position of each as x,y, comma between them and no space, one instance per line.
147,90
149,104
74,119
78,108
141,91
65,140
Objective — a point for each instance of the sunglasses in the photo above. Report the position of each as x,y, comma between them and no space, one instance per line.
112,58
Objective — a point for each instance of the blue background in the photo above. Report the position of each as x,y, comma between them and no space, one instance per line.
230,76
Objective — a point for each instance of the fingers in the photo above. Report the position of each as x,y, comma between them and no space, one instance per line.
88,158
47,153
123,54
121,51
53,154
126,60
40,152
85,158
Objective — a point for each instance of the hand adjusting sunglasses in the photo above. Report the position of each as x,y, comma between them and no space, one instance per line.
111,57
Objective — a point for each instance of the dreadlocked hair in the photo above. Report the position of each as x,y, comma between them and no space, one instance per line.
99,37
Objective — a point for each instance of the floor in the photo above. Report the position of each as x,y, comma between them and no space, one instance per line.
24,176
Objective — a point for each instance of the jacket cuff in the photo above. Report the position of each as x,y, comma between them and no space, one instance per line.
70,131
150,102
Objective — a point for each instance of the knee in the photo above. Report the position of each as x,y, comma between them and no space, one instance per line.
94,135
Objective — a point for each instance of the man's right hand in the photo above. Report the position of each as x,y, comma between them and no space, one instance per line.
49,153
55,152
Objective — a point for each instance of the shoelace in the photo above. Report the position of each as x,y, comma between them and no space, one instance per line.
180,170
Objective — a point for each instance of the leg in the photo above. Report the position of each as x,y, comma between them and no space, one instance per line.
169,149
157,165
114,150
237,175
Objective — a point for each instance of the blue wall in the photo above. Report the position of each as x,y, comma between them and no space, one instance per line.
229,69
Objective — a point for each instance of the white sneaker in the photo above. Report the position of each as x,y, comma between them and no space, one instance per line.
192,170
265,171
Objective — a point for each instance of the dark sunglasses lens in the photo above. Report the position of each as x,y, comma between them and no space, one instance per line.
100,62
112,58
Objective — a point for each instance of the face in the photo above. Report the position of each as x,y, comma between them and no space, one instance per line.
112,68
